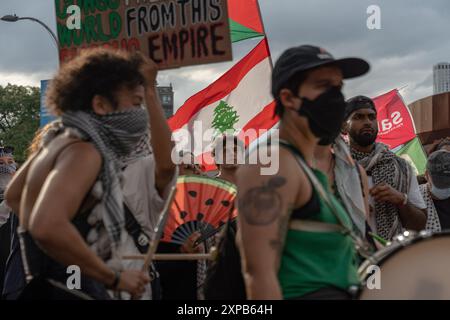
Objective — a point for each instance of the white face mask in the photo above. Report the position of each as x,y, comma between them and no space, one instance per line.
440,194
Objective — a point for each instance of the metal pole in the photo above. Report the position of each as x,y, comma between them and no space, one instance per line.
55,38
14,18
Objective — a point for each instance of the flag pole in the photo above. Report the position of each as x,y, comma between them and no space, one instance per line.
409,111
413,123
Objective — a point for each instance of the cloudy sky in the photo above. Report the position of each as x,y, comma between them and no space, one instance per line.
413,37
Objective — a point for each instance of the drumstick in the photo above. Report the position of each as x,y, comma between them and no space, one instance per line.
158,230
381,240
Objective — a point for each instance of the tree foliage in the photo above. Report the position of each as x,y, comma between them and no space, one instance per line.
19,117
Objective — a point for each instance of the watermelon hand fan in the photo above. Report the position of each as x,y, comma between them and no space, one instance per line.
201,204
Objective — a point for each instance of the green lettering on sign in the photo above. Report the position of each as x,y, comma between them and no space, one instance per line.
115,24
89,29
64,35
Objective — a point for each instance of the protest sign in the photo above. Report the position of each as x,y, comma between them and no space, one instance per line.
173,33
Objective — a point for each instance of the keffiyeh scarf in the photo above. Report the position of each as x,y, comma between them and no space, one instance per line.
114,135
384,166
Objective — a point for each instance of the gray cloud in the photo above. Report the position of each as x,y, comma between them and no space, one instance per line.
403,52
25,47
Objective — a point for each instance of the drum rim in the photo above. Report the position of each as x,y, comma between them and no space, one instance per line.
399,246
417,238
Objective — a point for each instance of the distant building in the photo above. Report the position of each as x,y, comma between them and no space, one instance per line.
166,97
441,78
432,117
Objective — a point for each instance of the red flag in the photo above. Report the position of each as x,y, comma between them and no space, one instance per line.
395,125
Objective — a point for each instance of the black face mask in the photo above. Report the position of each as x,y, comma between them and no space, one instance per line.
325,114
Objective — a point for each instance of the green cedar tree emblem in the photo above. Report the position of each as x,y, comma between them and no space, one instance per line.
225,117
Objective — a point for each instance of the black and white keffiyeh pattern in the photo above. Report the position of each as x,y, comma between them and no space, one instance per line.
114,135
433,222
7,169
384,166
142,149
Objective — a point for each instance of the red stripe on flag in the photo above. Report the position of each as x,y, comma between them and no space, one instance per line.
246,12
221,87
262,121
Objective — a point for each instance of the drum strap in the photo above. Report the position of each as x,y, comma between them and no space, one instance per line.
315,226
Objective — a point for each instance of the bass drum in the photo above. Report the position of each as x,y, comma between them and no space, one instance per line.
412,267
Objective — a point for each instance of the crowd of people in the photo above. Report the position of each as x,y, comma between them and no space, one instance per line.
97,180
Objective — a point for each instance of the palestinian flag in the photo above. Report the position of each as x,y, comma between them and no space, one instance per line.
239,100
414,154
245,20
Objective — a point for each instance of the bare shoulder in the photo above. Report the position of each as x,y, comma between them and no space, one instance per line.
79,153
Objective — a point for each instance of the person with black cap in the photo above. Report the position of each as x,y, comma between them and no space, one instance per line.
290,224
395,200
437,191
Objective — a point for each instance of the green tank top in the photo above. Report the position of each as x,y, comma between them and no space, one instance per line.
314,260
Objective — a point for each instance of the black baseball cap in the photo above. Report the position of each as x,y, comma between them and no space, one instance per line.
306,57
438,166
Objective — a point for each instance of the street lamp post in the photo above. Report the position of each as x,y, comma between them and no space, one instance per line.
14,18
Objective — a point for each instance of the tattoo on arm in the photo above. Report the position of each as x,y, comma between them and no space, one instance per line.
261,206
278,243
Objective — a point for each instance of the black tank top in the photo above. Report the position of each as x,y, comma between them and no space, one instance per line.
310,208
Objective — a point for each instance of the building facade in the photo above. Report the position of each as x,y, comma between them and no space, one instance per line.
166,97
441,78
431,117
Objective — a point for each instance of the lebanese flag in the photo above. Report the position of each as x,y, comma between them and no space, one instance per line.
245,20
395,124
244,89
